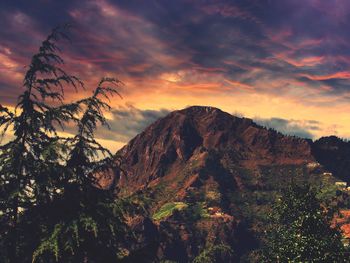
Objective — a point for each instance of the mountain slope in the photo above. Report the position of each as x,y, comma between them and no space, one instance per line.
166,146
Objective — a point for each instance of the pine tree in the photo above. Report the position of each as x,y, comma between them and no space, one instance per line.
83,161
301,230
24,168
92,227
51,206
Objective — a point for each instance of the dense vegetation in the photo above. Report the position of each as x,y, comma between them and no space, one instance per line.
214,254
301,231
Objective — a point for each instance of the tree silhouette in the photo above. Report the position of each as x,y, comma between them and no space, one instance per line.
83,161
41,171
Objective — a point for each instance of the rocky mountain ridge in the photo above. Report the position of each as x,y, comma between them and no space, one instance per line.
168,144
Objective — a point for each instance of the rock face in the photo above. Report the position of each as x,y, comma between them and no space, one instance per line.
169,144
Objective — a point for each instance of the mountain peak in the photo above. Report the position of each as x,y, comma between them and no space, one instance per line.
200,109
195,133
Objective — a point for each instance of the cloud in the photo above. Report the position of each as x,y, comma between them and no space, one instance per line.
263,45
127,121
170,52
297,128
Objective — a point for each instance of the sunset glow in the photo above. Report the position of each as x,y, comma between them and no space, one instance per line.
264,60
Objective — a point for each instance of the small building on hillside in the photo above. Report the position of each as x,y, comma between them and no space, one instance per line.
218,214
313,165
341,184
214,210
327,174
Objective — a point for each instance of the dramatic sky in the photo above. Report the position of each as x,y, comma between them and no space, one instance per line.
284,63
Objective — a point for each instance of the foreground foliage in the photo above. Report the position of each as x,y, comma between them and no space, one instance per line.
52,208
215,254
301,230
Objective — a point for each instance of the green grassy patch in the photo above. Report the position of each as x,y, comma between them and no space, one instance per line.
168,209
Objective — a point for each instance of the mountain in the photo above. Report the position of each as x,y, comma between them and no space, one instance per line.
206,178
194,135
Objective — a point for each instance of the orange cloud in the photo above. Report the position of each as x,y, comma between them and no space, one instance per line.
303,62
239,85
338,75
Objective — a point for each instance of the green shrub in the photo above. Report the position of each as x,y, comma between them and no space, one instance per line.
168,209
